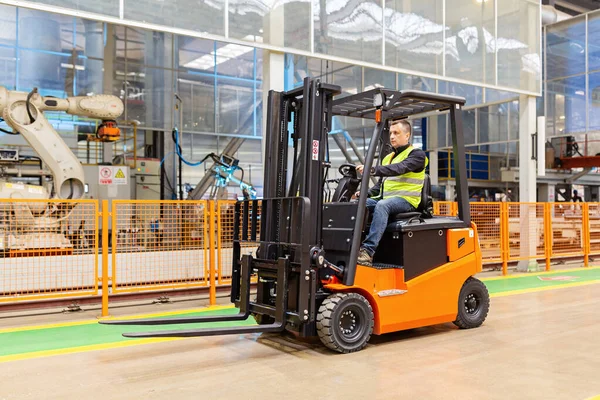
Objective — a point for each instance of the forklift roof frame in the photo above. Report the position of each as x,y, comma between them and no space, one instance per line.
383,105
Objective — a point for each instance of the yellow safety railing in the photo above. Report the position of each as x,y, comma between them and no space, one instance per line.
49,249
160,245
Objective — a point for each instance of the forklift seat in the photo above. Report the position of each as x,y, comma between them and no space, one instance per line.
425,208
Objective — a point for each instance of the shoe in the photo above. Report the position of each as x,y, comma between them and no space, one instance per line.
364,257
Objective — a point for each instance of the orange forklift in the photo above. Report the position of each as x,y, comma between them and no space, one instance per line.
308,280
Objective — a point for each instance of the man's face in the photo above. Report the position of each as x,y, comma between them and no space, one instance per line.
398,138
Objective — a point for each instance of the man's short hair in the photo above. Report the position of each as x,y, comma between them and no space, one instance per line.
404,125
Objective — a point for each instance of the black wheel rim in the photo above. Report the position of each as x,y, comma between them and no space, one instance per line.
473,304
351,325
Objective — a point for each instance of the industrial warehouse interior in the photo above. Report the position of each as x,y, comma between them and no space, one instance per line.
242,199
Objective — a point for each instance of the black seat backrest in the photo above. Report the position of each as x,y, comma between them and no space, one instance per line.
345,189
426,205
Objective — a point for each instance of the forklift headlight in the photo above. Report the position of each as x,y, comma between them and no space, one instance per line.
378,99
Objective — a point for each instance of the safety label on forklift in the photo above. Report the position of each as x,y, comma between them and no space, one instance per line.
109,175
315,150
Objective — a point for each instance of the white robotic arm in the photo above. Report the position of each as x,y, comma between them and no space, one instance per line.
23,112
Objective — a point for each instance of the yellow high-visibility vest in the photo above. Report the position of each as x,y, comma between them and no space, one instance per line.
407,186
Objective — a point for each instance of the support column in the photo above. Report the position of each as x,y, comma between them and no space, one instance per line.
273,62
108,77
527,182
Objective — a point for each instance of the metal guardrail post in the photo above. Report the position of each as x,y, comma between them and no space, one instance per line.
548,234
504,243
104,214
585,230
211,252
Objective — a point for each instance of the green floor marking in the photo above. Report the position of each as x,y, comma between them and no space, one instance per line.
68,337
542,280
92,334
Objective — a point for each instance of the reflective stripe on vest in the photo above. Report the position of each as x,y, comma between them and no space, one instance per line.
407,186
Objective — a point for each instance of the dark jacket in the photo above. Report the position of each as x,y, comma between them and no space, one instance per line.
415,162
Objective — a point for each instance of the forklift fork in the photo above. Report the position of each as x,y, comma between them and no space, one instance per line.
245,311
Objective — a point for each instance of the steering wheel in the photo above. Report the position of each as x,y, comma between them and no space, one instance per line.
348,170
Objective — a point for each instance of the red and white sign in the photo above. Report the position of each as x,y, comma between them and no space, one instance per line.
109,175
315,150
558,278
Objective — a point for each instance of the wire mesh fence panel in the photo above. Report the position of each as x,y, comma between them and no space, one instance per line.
443,208
48,248
526,239
487,218
159,244
594,227
567,229
225,236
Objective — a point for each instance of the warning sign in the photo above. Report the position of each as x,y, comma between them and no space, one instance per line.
558,278
315,150
108,175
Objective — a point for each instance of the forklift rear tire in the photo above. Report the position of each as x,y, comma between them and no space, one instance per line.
345,322
473,304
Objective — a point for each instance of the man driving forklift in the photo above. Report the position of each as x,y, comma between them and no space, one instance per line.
402,175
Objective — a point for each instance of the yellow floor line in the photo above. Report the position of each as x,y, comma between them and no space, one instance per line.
95,321
526,274
543,289
82,349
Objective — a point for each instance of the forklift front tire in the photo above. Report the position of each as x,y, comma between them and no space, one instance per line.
473,304
345,322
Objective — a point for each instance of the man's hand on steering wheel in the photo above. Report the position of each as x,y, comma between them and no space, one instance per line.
360,168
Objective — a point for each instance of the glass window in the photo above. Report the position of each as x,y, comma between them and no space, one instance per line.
348,76
493,123
472,94
251,20
8,21
196,54
235,107
198,96
594,101
412,82
513,120
235,60
90,77
259,109
89,38
105,7
492,95
470,50
518,44
565,48
198,15
566,105
593,38
414,35
149,47
8,67
48,72
44,31
149,95
375,78
349,29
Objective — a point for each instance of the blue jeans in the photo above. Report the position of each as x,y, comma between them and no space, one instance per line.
382,211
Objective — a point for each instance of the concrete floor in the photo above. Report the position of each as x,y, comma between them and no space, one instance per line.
541,345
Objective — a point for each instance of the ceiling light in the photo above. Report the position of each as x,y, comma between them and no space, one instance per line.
224,54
